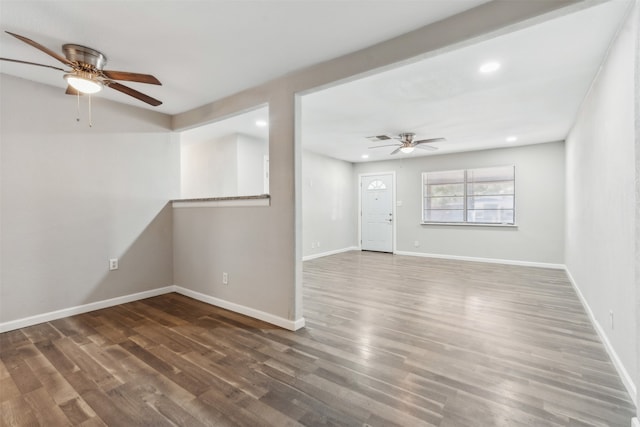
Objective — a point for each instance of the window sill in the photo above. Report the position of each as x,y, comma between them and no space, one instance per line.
470,224
223,202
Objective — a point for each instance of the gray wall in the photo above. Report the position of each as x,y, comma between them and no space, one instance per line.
329,205
73,197
253,245
601,246
538,237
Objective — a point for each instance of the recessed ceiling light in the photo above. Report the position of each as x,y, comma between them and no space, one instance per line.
512,139
261,123
489,67
365,156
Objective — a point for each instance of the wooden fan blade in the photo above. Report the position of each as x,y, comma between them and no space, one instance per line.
427,147
131,77
71,91
424,141
395,151
132,92
42,48
30,63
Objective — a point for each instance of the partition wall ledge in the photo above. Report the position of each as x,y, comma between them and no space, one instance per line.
220,202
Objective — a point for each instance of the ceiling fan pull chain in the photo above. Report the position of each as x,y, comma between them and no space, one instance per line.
78,107
90,120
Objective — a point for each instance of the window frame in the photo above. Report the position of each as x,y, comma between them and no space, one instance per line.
465,196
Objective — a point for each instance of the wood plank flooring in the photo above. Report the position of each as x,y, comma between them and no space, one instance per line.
390,341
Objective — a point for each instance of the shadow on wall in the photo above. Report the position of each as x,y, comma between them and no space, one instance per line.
145,265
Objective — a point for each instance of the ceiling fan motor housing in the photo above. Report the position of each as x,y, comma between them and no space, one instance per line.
407,137
83,55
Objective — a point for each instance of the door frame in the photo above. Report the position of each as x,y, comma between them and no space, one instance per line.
393,206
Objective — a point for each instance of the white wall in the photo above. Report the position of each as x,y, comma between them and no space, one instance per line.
251,152
601,205
538,237
329,205
74,196
209,168
231,165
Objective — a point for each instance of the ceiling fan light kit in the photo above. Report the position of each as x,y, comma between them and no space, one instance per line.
83,82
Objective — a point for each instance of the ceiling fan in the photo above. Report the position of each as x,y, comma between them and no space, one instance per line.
86,74
407,143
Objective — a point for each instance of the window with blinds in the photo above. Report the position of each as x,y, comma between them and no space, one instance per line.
473,196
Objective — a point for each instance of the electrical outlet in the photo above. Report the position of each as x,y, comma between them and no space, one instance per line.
416,244
318,243
113,264
225,278
313,245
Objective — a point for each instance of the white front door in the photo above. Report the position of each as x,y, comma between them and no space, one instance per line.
377,212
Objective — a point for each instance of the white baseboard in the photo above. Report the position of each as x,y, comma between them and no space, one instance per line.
635,422
323,254
79,309
487,260
624,375
292,325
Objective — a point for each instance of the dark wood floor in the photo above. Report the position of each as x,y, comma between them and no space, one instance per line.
390,340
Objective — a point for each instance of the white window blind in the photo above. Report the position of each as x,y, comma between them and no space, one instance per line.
474,196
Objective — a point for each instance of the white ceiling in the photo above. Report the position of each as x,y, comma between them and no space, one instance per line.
546,71
245,123
204,50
